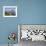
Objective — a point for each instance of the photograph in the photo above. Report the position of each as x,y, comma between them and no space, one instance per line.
29,33
9,11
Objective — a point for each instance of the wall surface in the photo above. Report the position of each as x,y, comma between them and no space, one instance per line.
7,25
29,12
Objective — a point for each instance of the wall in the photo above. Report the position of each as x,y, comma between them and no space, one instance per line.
7,25
29,12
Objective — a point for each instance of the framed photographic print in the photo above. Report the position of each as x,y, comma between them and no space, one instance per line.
9,11
33,32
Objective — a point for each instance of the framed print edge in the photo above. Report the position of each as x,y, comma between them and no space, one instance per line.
9,7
